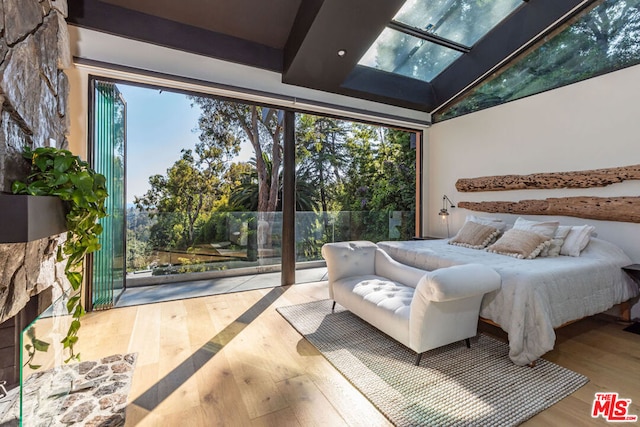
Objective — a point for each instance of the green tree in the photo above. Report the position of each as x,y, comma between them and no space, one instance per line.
137,252
245,193
380,179
138,247
225,121
355,193
321,154
394,187
180,197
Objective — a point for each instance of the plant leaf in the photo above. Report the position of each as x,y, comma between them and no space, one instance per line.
73,301
75,279
40,345
18,187
62,164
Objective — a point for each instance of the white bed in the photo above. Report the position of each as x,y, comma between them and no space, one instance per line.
536,295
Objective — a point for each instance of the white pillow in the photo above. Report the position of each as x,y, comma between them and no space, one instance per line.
577,239
556,242
544,228
490,221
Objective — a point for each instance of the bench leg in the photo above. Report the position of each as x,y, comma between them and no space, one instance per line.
333,307
418,359
467,342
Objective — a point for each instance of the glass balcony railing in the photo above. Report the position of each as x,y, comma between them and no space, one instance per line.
232,242
315,229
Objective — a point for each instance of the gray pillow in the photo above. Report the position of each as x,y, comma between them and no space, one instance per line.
521,244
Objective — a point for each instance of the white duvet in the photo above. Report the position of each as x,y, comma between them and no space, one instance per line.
536,295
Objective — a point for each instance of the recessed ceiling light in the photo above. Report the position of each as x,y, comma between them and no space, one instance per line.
342,53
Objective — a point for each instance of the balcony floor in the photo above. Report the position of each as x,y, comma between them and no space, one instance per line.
199,288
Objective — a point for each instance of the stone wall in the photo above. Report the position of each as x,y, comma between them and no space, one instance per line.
34,50
26,269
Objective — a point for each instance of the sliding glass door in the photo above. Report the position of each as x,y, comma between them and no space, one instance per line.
108,148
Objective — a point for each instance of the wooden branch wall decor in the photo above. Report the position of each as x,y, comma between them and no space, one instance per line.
624,209
577,179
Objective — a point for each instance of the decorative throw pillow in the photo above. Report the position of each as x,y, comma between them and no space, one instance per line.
490,221
557,242
577,239
544,228
521,244
475,236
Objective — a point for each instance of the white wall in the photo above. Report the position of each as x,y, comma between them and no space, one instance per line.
588,125
78,111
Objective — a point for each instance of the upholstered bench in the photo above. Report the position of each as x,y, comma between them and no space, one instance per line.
421,309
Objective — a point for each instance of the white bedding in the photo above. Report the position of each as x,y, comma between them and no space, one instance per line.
536,295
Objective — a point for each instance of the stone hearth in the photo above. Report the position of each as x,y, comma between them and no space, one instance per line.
92,393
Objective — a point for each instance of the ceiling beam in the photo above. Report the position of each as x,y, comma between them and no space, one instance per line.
123,22
322,28
390,88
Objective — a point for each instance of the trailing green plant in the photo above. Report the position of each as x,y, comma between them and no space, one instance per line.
57,172
34,345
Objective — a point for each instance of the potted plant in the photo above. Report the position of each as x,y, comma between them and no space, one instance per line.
57,172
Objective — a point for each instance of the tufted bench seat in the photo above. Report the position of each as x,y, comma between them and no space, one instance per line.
420,309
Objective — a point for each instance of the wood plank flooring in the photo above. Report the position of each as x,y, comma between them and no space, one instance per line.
232,360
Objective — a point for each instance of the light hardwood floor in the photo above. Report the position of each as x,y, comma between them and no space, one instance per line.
232,360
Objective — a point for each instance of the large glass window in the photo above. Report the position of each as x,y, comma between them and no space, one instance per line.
204,186
604,39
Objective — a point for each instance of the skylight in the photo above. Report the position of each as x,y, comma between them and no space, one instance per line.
461,21
409,56
426,36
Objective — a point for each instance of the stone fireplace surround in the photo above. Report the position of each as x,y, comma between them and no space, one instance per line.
34,51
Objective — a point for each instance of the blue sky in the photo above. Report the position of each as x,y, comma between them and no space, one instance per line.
159,125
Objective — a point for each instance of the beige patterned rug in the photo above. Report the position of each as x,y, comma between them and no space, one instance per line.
453,386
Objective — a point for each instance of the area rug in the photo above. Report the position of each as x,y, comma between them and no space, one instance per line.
92,393
453,386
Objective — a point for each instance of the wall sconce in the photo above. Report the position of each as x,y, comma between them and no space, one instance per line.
444,213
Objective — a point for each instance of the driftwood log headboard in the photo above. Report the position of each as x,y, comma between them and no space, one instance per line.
625,209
